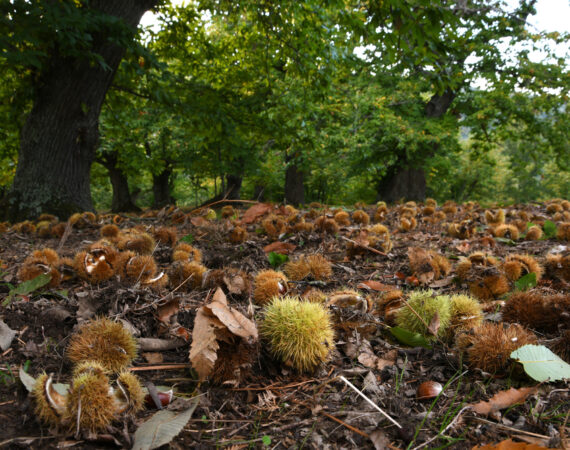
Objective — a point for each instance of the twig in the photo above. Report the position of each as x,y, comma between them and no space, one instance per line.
369,401
350,427
161,367
64,236
449,425
504,427
373,250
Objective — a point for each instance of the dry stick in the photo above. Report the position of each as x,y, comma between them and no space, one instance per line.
563,431
64,236
369,401
373,250
504,427
455,419
161,367
350,427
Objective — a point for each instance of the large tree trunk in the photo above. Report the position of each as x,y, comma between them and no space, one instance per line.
161,189
402,181
402,184
59,139
122,198
232,191
294,185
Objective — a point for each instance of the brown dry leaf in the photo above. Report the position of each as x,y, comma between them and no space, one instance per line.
509,445
389,359
463,248
167,310
380,440
181,332
204,348
433,326
375,286
153,357
444,282
256,211
504,399
426,277
368,359
235,321
199,221
235,283
285,248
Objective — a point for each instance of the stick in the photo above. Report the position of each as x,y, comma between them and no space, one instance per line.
373,250
369,401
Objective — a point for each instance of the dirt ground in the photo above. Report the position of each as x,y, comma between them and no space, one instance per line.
274,406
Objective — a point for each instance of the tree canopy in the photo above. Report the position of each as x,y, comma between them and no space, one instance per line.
331,101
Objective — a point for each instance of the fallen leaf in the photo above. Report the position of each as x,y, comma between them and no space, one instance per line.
256,211
433,326
7,335
388,360
375,286
503,400
380,440
167,310
198,221
367,359
153,357
509,445
204,348
285,248
236,284
235,321
444,282
162,427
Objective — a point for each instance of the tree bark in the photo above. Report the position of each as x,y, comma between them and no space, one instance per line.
60,136
404,182
122,198
161,189
294,185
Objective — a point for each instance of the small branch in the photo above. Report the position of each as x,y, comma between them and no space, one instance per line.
455,419
350,427
373,250
370,401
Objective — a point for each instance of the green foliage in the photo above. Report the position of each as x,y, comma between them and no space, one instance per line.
549,228
409,338
277,259
526,282
541,364
27,287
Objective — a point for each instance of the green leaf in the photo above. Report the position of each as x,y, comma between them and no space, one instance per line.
266,440
549,228
27,287
506,241
409,338
276,259
541,364
526,282
188,239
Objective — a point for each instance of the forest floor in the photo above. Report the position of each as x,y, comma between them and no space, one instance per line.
273,405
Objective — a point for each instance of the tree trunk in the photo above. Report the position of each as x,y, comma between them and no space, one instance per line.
403,182
122,198
59,139
232,191
294,185
161,189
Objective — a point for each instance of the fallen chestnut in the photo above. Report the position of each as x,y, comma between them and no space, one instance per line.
428,389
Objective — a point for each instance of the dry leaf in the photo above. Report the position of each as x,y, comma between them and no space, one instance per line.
375,286
203,351
153,357
433,326
235,321
368,359
199,221
441,283
256,211
389,359
235,283
167,310
503,400
509,445
216,322
285,248
380,440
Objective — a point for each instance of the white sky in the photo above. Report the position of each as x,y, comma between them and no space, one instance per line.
551,15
